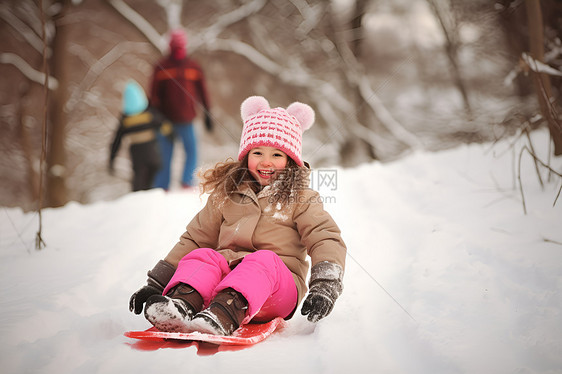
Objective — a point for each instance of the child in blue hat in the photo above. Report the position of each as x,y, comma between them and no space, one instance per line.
141,124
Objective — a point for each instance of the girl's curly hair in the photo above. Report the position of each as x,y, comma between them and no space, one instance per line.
228,176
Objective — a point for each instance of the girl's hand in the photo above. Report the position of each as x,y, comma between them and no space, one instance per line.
325,287
157,280
136,302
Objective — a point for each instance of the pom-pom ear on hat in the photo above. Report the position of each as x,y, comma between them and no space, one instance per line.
253,105
303,113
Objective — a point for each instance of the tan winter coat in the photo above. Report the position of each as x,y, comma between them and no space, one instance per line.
247,222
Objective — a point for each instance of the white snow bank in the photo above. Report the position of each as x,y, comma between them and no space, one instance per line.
445,274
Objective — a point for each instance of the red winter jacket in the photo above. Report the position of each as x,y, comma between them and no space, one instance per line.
178,86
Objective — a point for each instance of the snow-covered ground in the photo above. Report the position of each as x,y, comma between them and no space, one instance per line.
445,274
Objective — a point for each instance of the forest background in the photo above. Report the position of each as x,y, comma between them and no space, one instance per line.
385,77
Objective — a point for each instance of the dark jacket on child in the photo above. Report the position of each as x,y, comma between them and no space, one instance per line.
141,131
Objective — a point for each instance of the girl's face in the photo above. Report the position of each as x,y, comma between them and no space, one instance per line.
265,162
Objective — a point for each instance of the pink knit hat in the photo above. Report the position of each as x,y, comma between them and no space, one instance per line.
279,128
178,44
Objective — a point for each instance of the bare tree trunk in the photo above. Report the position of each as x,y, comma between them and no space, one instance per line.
352,148
541,80
451,47
56,156
513,23
358,37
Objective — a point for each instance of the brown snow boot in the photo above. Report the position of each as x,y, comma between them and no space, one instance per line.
223,316
173,311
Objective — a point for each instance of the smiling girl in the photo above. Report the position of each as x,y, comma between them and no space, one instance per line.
264,162
243,257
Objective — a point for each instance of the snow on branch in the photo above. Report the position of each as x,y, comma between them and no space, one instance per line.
28,71
311,15
298,78
173,9
540,67
100,65
222,22
292,76
22,29
385,116
141,24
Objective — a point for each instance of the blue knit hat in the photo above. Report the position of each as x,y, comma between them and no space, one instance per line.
134,99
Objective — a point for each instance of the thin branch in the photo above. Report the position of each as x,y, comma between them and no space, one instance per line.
534,158
557,195
221,23
519,179
27,70
140,23
22,29
377,106
450,32
100,65
253,55
39,242
525,148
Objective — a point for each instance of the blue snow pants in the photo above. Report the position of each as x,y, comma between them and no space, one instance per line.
186,133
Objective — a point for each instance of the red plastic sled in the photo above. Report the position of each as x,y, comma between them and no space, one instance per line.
246,335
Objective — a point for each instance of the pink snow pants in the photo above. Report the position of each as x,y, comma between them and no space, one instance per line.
262,278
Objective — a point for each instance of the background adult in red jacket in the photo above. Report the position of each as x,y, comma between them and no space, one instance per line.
178,91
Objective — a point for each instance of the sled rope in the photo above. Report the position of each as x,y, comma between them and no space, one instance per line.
382,288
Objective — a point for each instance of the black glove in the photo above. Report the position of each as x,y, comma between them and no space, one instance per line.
158,278
325,287
208,122
138,299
